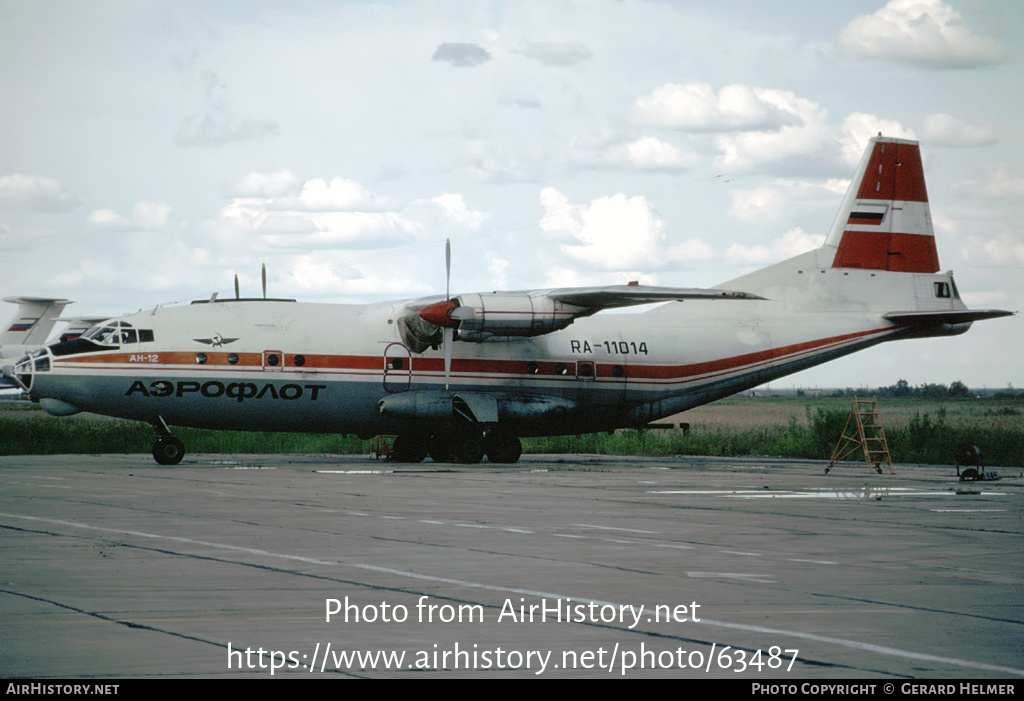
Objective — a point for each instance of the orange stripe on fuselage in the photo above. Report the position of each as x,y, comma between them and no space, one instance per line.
467,368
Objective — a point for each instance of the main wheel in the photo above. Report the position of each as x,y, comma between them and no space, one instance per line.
470,449
441,448
502,447
408,449
168,450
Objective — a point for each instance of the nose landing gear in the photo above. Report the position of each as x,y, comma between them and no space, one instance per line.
167,450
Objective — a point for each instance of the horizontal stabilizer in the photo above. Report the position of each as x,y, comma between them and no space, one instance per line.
960,316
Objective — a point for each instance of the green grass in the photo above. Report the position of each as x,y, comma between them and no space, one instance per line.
48,436
917,432
925,439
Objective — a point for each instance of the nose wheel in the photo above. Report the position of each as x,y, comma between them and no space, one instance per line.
168,450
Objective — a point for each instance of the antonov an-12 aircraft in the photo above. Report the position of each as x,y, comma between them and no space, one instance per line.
461,377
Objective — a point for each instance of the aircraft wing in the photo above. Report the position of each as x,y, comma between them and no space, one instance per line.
610,297
480,317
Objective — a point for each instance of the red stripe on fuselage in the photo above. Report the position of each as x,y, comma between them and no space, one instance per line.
477,368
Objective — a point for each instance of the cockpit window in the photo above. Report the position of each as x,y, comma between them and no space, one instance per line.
117,333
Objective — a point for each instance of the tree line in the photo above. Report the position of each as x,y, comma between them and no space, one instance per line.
929,390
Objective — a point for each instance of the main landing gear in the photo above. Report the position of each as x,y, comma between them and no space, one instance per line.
465,447
167,450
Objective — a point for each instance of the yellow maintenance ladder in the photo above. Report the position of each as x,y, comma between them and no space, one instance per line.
863,432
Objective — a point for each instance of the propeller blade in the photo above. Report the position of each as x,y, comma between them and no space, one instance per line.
447,268
449,332
264,281
449,340
237,296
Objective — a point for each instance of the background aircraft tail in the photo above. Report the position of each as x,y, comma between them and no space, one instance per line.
33,322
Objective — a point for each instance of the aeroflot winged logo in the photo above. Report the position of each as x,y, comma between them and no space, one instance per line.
217,341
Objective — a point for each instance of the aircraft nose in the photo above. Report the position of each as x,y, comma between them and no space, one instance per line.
19,374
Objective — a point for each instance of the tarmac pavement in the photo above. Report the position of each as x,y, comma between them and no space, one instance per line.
559,566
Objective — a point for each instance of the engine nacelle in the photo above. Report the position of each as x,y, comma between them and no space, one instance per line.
482,316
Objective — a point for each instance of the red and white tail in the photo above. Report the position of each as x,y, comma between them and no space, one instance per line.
885,222
880,254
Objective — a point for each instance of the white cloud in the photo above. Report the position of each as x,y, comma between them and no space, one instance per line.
996,181
35,192
335,213
263,224
274,184
769,202
338,195
805,133
858,129
1001,250
497,270
483,164
607,149
455,210
649,153
151,215
328,273
696,107
561,276
146,216
560,216
945,130
792,243
612,233
617,232
924,33
759,204
109,220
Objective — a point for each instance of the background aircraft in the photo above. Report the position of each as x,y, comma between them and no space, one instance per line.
460,377
31,326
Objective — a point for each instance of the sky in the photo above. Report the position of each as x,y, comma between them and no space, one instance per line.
151,150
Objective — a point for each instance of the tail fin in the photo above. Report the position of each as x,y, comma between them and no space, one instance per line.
884,226
885,222
32,324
